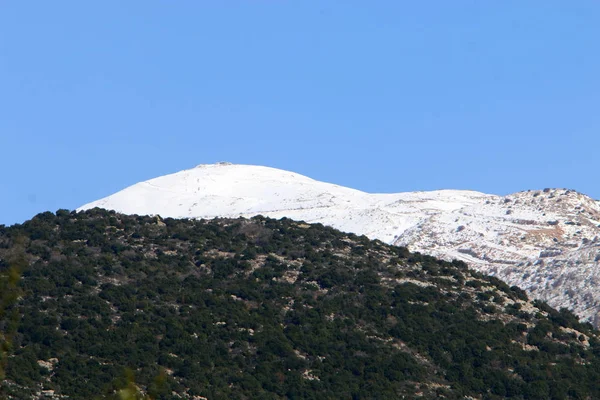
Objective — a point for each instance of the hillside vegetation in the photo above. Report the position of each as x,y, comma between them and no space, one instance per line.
271,309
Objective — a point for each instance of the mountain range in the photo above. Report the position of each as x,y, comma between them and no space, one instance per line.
544,241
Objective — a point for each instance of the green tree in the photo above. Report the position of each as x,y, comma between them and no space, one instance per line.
9,294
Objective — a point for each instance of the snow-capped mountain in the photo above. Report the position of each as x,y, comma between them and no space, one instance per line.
546,241
227,190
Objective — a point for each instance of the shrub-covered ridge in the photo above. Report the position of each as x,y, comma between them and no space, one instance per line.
273,309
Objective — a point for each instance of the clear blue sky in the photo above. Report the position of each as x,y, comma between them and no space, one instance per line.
383,96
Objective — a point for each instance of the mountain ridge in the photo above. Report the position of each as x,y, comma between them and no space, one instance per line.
544,241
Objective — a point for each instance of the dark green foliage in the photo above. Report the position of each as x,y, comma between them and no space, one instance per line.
266,309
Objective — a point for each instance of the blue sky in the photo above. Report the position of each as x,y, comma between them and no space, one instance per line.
382,96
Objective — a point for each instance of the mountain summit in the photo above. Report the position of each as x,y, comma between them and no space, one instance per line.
544,241
229,190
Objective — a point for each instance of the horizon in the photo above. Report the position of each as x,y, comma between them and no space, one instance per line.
333,183
382,98
349,187
227,163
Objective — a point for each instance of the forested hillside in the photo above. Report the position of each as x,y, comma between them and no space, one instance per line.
270,309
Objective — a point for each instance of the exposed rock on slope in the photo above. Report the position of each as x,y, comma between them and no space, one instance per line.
546,242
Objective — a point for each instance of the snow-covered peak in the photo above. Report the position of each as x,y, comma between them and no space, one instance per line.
233,190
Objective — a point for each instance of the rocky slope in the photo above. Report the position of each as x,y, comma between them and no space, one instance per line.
544,241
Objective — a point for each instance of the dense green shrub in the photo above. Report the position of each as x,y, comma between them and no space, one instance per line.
238,309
